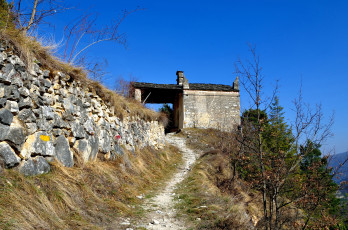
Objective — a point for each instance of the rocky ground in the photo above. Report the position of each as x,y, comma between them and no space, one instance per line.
160,211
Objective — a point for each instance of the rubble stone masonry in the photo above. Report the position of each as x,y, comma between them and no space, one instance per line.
48,116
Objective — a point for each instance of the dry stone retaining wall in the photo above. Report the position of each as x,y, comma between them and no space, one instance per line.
46,116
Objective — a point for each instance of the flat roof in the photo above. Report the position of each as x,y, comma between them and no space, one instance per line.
155,86
192,86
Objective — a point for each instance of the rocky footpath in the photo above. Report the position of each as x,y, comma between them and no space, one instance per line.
46,116
161,212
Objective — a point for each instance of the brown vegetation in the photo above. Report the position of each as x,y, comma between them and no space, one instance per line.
32,51
92,196
208,196
215,195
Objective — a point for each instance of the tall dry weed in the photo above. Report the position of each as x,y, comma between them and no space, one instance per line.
91,196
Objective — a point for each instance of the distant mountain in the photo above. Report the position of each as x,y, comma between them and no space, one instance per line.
336,160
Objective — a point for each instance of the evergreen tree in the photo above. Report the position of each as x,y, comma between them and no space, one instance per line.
270,157
278,159
277,134
166,109
250,115
169,113
318,190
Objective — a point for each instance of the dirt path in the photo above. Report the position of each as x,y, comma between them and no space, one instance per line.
160,209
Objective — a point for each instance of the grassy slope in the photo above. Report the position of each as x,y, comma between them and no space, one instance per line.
208,197
91,196
30,50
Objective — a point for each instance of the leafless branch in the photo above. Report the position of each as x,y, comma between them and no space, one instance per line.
29,14
309,123
124,87
32,17
84,29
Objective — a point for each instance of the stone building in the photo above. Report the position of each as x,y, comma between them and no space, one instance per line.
195,105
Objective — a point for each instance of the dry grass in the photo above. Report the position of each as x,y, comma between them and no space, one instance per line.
92,196
230,203
201,139
31,51
209,193
163,118
204,195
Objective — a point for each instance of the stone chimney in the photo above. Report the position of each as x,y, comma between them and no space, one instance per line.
180,77
181,80
236,84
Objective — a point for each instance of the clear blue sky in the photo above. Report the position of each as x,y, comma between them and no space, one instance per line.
296,40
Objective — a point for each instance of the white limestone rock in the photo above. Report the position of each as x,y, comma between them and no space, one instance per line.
8,156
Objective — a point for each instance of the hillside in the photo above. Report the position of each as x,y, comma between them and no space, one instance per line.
97,195
76,155
73,154
212,198
50,110
335,162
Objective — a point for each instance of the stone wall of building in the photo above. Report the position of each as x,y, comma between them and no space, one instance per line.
47,116
211,109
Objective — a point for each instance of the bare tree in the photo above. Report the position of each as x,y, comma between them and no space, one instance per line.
83,33
252,80
273,170
96,70
29,14
125,87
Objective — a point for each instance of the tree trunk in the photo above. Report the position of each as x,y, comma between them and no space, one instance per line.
277,209
264,187
270,204
32,17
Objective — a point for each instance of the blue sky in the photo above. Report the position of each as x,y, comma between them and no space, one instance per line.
297,41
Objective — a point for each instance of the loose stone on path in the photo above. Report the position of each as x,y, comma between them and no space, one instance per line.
164,216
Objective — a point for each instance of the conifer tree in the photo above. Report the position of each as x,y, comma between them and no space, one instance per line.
270,150
318,189
277,135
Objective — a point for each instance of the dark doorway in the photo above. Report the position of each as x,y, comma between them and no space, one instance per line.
162,94
167,110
